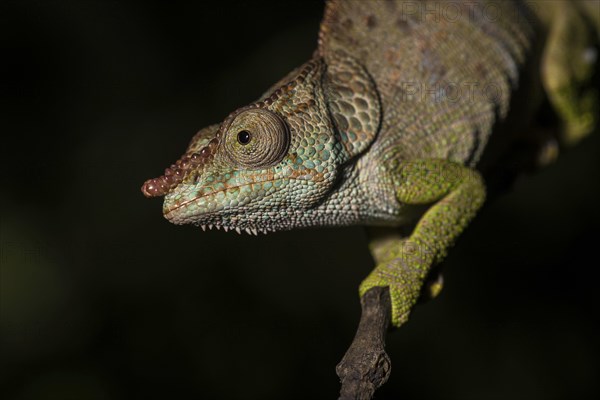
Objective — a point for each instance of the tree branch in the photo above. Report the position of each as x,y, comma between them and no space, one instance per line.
366,366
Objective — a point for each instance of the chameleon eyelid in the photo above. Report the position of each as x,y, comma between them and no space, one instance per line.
267,132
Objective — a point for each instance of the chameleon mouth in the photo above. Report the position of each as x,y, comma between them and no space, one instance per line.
178,218
178,206
183,212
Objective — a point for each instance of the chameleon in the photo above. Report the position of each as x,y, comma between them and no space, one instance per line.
392,124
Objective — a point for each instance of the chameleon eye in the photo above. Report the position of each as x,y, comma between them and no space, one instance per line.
256,138
244,137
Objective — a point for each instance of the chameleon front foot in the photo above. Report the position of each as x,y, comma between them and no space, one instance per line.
404,275
454,193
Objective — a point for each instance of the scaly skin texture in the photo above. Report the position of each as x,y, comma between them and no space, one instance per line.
385,126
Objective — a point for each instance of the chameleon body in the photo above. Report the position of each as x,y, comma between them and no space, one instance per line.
386,126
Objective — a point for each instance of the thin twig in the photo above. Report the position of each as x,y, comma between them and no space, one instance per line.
366,366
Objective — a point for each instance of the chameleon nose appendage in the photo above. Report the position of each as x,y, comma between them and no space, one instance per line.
162,185
187,166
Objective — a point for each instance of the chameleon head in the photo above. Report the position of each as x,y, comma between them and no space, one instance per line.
264,167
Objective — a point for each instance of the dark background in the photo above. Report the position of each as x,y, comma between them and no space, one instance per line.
102,298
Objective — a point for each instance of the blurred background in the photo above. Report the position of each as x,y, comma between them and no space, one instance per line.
102,298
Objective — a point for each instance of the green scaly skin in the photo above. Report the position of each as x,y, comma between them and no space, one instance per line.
386,124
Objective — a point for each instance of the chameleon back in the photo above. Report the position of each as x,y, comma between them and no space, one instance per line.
444,70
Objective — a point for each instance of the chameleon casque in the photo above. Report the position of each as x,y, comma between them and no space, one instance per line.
391,124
